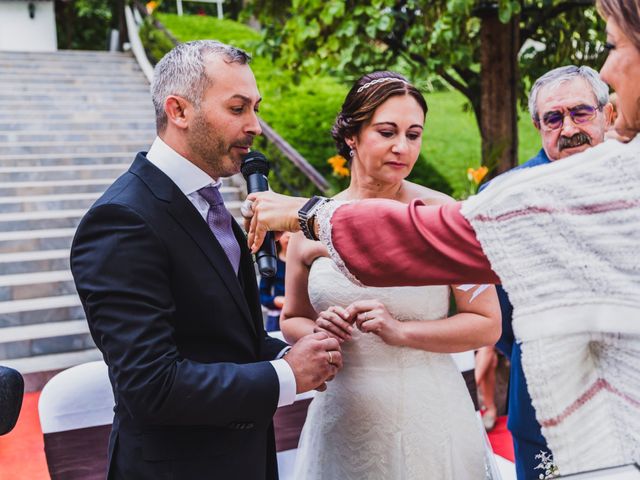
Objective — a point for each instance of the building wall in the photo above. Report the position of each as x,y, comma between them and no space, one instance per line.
19,32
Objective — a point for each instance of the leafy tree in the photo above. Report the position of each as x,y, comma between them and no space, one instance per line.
84,24
484,49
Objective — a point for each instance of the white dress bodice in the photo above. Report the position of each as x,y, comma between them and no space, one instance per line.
391,412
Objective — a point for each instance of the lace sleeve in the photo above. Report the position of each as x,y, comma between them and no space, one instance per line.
323,217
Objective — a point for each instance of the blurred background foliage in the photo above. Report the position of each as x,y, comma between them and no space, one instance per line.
84,24
308,52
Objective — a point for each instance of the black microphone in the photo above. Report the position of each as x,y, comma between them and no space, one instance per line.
11,391
255,169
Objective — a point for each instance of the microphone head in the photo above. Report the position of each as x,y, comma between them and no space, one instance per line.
11,391
254,162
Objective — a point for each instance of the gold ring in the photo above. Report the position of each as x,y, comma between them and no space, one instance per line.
330,357
366,316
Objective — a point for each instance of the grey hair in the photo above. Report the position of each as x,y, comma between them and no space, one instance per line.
565,74
182,72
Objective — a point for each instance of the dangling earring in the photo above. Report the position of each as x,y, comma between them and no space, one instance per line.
351,153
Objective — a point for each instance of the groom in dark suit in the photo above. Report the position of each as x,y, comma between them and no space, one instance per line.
169,289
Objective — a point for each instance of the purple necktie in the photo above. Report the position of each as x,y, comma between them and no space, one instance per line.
219,220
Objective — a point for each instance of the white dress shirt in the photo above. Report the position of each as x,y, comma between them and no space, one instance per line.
189,180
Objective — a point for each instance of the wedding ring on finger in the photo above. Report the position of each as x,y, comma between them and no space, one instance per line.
365,317
246,209
330,357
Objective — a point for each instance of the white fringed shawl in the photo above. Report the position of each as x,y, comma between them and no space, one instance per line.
565,241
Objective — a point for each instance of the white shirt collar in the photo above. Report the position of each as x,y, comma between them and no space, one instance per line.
186,175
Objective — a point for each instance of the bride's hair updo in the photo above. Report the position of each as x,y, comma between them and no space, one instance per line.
366,95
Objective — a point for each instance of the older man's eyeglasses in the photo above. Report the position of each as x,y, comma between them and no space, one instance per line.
580,114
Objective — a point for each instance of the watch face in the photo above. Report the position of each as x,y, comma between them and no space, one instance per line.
309,205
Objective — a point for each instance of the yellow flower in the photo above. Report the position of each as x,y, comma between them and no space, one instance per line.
338,163
151,6
476,175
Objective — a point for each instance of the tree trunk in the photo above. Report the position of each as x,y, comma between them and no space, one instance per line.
121,25
498,94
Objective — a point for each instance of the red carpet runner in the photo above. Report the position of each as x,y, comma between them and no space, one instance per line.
500,439
22,450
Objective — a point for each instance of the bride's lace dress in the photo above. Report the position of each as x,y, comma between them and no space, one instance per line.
391,413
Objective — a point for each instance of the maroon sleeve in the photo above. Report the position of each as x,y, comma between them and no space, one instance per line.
385,243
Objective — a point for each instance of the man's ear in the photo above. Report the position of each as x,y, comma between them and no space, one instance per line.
609,114
177,110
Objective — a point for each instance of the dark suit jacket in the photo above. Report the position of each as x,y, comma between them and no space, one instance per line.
181,333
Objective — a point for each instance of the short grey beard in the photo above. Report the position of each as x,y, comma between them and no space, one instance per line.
574,141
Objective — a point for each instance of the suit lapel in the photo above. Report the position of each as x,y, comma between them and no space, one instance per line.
187,216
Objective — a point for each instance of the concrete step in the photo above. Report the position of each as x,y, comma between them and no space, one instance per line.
113,136
69,218
96,97
70,55
10,148
36,220
58,308
69,78
61,172
142,105
25,286
45,69
54,66
87,59
55,362
47,202
45,339
44,187
87,88
70,201
144,123
104,158
58,187
36,240
93,115
34,261
64,54
46,159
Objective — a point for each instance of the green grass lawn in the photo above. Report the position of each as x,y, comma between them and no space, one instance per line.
303,112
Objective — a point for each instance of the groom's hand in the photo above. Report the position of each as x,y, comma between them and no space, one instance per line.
314,359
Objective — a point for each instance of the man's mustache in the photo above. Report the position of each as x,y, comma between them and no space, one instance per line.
574,141
245,142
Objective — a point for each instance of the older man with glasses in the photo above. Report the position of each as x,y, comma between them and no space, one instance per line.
570,108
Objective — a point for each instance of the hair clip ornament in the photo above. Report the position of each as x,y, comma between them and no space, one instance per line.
378,80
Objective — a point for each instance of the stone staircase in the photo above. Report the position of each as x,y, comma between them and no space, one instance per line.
70,123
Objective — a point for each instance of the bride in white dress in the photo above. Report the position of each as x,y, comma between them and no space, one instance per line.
399,409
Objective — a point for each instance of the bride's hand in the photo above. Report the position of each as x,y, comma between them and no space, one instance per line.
335,321
372,316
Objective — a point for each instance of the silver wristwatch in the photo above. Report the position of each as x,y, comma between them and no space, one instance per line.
307,215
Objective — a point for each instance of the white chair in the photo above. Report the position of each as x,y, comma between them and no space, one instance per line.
76,412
